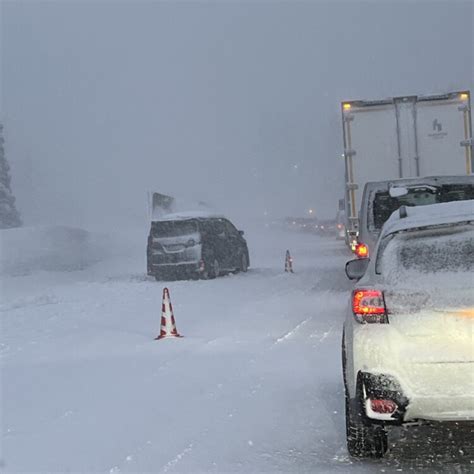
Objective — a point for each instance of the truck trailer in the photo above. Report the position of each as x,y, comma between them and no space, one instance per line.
403,137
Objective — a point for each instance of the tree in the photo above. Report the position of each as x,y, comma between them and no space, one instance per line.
9,216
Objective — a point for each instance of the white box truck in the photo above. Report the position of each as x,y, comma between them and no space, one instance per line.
403,137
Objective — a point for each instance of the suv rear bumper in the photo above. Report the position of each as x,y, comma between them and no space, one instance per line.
413,408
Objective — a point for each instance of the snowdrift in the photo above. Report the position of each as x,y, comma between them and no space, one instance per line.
52,248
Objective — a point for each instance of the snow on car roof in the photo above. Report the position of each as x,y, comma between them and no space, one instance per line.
176,216
429,215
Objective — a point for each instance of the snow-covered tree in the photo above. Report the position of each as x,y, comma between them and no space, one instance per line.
9,216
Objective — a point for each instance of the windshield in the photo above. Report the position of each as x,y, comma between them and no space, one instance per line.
415,254
384,204
174,228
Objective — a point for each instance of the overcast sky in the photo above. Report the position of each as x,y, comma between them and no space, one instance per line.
236,103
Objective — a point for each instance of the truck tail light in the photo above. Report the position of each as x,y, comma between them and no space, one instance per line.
361,250
368,306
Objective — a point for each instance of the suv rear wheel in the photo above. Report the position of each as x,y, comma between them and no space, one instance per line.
363,440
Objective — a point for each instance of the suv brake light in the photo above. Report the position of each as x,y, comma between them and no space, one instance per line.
368,306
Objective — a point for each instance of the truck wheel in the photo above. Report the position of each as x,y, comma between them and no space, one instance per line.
363,441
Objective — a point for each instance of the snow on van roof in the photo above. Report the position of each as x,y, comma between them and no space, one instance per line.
175,216
430,215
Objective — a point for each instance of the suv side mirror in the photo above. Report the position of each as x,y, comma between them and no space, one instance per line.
241,232
355,269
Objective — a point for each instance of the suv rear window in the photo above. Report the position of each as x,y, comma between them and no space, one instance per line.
384,204
434,250
174,228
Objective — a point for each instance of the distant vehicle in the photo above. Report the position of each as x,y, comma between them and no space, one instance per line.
407,351
193,245
305,224
340,231
340,223
403,137
327,227
381,198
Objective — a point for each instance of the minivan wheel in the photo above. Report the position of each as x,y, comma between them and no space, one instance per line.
216,269
244,264
363,440
212,270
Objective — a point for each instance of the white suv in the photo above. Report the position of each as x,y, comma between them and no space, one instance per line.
408,342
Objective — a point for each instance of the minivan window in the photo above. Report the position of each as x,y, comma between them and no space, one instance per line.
384,204
213,226
174,228
231,230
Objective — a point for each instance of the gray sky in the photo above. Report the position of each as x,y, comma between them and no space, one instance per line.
104,100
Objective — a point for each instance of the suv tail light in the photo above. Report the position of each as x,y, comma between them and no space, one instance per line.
361,250
368,306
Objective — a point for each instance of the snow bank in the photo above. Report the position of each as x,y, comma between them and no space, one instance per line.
53,248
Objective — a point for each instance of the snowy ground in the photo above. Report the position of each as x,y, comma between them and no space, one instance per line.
254,386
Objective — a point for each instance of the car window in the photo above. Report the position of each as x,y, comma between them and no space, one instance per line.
230,228
456,192
383,204
414,254
213,226
174,228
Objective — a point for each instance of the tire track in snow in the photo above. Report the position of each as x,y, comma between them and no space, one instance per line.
323,336
169,465
292,331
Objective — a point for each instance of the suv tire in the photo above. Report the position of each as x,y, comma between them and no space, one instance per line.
363,439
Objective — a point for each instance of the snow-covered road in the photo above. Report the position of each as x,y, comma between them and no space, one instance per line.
254,386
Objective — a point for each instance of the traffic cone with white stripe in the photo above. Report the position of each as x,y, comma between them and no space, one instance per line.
168,324
288,262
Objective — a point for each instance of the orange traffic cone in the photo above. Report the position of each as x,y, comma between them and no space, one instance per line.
288,262
168,325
